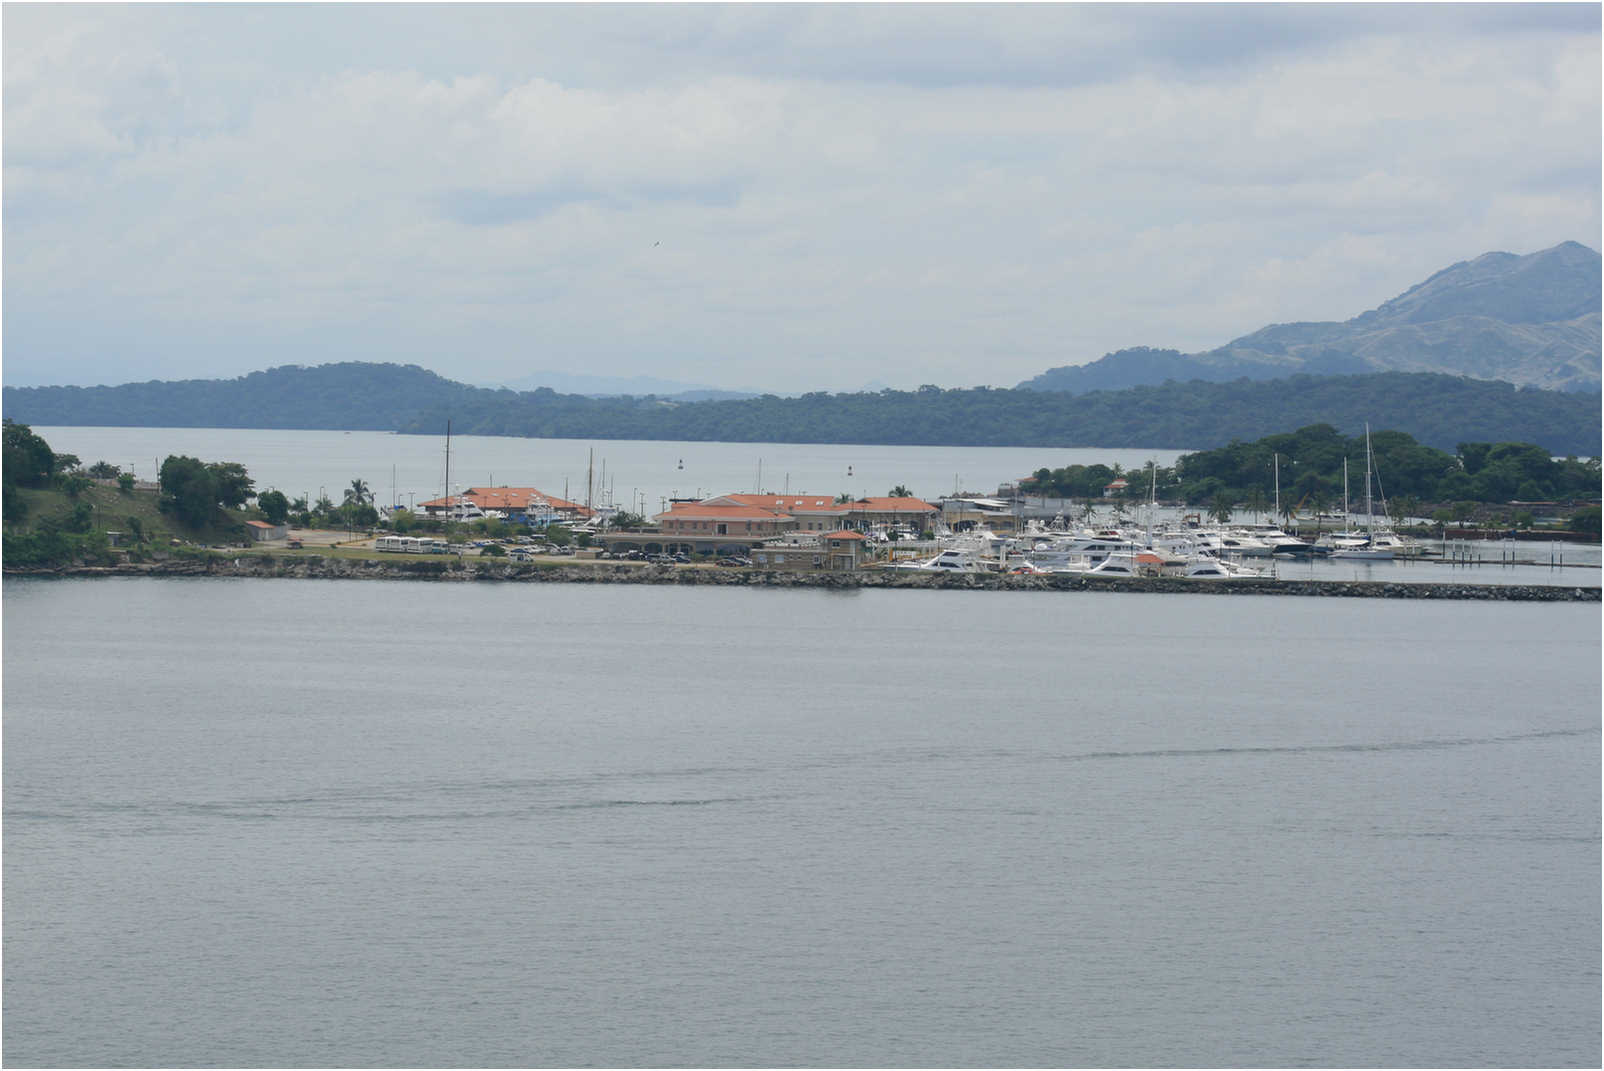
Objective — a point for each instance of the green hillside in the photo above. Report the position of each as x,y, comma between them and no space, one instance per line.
1437,410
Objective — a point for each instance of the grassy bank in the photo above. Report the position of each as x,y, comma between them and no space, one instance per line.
102,523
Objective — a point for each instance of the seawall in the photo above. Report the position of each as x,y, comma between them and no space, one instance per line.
454,571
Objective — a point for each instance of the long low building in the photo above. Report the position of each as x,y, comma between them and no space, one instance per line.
774,514
519,505
735,523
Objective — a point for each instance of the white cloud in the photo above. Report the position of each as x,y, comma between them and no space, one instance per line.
950,195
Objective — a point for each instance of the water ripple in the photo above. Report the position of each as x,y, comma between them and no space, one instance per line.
1315,749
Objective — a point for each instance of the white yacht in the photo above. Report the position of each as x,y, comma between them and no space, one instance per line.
951,560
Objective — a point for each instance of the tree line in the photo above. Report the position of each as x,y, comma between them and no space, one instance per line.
1312,466
1438,410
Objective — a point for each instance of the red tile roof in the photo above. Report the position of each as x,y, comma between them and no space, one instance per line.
785,503
687,510
506,498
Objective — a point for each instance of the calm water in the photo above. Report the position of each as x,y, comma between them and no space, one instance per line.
344,823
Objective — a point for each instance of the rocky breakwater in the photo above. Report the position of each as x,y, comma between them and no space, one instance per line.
449,571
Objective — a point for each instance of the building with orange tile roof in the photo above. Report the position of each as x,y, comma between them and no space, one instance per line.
521,505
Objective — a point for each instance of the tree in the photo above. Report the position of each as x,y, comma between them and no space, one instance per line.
193,490
1402,508
234,487
358,492
81,519
1585,521
125,482
28,459
901,491
188,489
274,506
104,470
1220,507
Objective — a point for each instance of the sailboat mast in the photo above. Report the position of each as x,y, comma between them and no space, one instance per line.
1277,458
448,467
1370,517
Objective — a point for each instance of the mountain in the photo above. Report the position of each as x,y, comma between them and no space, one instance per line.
1533,321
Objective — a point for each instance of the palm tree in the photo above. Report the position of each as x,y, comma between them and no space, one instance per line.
358,493
1320,501
900,491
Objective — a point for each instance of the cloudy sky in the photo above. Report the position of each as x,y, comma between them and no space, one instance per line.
787,197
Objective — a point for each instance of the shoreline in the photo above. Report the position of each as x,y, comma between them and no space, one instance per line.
314,567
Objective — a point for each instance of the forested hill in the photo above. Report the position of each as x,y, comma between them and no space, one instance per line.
1529,320
1437,410
351,396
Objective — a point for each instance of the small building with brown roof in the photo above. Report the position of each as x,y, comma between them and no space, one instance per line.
261,531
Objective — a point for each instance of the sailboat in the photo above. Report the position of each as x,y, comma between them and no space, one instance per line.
1369,549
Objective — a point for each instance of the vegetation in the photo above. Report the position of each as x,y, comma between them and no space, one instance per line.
57,512
352,396
1438,410
1311,474
194,491
1441,410
1529,320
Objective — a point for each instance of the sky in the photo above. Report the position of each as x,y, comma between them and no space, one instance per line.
782,198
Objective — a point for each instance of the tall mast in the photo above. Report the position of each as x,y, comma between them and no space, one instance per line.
1370,517
448,467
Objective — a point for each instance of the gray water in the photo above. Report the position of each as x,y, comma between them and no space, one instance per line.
298,823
